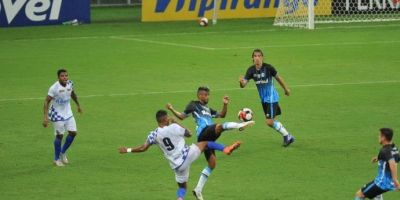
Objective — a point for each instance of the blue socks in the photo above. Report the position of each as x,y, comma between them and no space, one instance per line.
215,146
68,142
181,192
57,148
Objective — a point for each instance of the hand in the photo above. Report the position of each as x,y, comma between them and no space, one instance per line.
123,150
169,106
241,80
45,122
397,184
80,110
287,92
225,100
374,159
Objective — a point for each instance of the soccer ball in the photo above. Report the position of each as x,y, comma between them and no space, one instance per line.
245,115
203,21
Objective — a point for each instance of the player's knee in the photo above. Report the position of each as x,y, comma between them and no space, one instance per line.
359,194
218,129
269,122
73,133
59,136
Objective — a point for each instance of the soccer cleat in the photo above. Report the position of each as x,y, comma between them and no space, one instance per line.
228,150
288,140
243,125
64,159
58,163
197,194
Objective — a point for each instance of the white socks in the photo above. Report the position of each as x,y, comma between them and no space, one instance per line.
279,127
203,178
230,125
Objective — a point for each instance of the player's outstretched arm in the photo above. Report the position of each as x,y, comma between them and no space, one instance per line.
75,98
393,171
177,114
224,110
46,110
283,84
242,82
138,149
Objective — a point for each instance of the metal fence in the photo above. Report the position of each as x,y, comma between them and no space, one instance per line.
97,3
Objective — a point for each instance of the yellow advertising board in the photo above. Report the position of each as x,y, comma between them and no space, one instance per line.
174,10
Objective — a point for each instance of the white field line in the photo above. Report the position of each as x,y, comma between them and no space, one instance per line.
312,45
190,91
164,43
203,33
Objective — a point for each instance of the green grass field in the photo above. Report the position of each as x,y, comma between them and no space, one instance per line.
344,80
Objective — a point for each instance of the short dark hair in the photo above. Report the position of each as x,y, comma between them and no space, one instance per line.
160,115
387,133
203,88
61,71
257,51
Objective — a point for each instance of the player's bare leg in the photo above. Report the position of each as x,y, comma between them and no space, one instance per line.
287,137
359,195
68,141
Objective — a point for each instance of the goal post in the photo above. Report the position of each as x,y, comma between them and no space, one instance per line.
307,13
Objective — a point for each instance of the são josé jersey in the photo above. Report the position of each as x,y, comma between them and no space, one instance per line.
202,114
384,177
171,141
60,109
264,82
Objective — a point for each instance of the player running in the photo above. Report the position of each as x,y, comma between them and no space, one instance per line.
387,179
60,113
263,74
169,136
206,129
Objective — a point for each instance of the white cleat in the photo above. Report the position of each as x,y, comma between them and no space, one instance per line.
243,125
198,194
64,159
58,163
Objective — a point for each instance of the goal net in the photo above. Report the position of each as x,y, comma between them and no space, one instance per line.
307,13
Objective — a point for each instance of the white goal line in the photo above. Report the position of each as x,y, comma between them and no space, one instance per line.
221,90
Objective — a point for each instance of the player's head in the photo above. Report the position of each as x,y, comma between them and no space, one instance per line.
202,94
62,75
386,135
257,56
162,117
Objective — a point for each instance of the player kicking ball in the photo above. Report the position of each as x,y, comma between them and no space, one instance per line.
169,136
60,113
207,130
387,179
263,74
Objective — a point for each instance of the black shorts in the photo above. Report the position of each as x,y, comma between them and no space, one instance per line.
208,134
371,190
271,110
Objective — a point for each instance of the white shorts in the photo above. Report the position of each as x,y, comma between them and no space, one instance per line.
182,173
61,127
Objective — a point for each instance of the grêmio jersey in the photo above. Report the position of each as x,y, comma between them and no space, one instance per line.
60,109
202,114
263,79
171,141
384,177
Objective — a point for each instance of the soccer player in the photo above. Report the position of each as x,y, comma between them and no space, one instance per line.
206,129
263,75
387,179
60,113
169,136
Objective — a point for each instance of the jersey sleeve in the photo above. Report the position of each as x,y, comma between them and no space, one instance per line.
52,91
387,154
178,130
151,138
189,109
249,74
214,113
273,71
